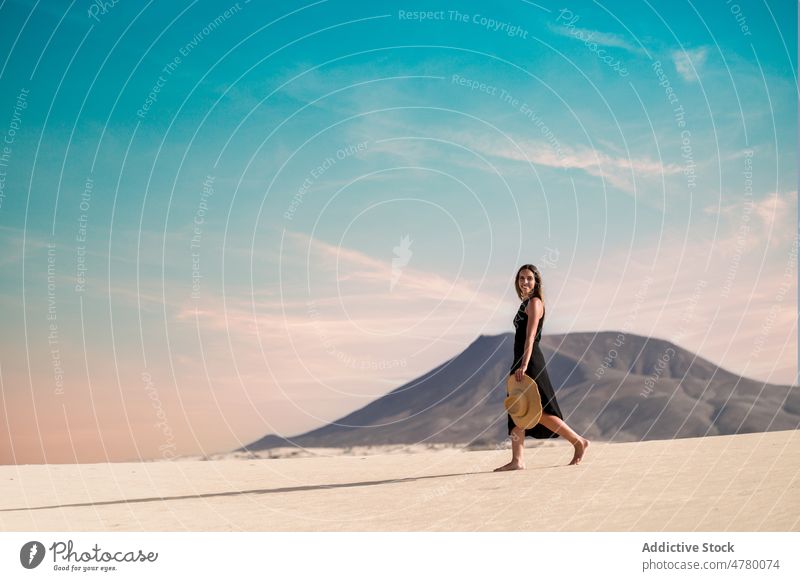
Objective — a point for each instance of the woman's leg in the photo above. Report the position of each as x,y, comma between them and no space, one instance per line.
560,427
517,451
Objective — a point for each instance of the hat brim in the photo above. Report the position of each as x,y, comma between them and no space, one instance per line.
527,389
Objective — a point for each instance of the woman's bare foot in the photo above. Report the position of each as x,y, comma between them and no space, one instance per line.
513,465
580,447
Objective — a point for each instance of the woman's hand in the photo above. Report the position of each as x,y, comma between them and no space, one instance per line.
519,373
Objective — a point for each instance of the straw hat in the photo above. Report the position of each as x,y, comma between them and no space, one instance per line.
523,403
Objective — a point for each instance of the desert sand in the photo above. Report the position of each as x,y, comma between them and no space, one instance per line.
748,482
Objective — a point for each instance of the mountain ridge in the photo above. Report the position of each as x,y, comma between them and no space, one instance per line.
611,386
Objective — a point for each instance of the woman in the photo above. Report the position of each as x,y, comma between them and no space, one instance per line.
528,359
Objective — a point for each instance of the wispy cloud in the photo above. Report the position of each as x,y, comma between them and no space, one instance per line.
597,36
12,238
778,211
620,171
337,331
737,311
689,62
751,224
357,266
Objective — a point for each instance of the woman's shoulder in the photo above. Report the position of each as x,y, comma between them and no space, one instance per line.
534,304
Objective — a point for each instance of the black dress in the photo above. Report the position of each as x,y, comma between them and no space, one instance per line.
536,370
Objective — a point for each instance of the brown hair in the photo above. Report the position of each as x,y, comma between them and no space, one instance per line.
537,279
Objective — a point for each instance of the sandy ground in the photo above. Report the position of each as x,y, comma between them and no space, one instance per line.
748,482
296,452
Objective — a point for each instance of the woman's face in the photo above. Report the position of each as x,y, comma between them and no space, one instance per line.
526,281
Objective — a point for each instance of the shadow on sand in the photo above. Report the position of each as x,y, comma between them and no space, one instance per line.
243,492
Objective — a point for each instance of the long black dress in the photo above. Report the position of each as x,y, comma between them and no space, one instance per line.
536,370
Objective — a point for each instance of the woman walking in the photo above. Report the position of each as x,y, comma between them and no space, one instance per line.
529,360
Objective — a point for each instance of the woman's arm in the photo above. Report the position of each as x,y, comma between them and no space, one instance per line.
534,310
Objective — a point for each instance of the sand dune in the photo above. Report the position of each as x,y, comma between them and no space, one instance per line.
748,482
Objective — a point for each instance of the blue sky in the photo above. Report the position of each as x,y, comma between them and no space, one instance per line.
328,132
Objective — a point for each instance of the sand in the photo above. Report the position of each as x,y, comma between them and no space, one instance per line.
748,482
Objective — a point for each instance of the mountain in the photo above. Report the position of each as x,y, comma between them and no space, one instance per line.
611,386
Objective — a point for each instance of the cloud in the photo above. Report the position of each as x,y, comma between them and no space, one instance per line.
357,266
342,330
737,311
775,206
12,238
752,224
689,62
620,171
596,36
